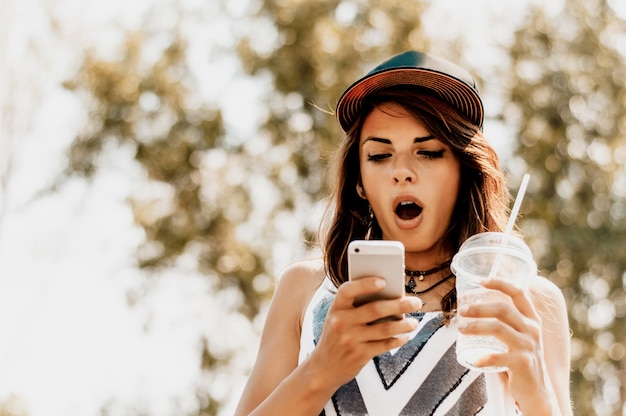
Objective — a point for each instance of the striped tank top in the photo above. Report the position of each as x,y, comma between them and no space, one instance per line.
422,377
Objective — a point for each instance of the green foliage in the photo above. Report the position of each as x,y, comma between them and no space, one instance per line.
188,208
317,49
568,90
151,110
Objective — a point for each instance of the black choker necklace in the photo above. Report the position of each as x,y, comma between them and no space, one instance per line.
420,274
410,289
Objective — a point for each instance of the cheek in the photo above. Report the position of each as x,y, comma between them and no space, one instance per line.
448,194
447,202
374,180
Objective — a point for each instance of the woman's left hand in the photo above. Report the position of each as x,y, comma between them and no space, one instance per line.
518,325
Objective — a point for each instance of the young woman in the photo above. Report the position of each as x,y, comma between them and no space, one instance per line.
413,167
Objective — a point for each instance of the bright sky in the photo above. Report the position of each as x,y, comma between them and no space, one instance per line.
69,341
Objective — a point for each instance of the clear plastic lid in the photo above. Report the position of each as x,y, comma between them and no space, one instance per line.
485,254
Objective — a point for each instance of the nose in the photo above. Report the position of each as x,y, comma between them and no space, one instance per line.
403,171
408,179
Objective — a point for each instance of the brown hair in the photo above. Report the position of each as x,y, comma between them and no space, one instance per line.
482,201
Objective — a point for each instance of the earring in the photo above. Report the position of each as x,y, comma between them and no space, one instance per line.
369,222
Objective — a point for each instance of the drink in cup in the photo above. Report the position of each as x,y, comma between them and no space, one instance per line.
482,256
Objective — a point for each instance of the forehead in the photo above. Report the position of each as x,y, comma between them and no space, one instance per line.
392,119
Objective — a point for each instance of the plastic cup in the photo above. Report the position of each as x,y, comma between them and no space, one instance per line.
475,263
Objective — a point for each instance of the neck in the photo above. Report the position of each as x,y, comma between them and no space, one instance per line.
425,263
427,259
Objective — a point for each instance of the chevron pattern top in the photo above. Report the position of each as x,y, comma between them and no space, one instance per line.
422,377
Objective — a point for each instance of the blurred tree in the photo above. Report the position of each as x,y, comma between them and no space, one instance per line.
568,101
311,50
210,195
150,109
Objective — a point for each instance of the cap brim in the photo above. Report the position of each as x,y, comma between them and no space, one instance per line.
450,89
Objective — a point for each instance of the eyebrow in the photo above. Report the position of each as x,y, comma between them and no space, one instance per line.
387,141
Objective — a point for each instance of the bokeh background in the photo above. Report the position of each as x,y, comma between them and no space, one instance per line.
162,160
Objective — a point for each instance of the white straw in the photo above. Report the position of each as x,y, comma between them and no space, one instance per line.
517,204
512,219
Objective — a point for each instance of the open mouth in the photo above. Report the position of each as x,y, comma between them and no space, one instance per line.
407,210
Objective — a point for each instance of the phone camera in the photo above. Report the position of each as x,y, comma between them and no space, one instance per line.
356,250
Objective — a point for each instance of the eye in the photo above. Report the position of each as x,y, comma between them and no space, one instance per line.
379,157
431,154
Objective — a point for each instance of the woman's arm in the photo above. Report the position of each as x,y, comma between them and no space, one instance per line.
550,304
280,341
277,385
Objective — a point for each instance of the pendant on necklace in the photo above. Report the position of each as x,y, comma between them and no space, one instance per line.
411,285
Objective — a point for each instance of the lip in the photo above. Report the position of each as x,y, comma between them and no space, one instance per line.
413,222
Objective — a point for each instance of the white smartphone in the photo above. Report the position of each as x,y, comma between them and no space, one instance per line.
377,258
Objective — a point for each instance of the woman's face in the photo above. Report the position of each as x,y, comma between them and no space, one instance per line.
410,178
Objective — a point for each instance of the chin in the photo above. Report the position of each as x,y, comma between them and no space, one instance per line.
419,248
412,244
417,244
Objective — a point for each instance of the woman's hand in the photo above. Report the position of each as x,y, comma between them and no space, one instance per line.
348,341
518,325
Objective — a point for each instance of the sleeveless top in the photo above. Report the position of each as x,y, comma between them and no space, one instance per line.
422,377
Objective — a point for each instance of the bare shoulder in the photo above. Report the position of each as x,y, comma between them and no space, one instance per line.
545,293
303,275
549,300
298,282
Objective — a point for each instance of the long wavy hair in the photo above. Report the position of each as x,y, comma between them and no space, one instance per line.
481,204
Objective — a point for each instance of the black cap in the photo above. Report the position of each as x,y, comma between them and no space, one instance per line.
451,83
